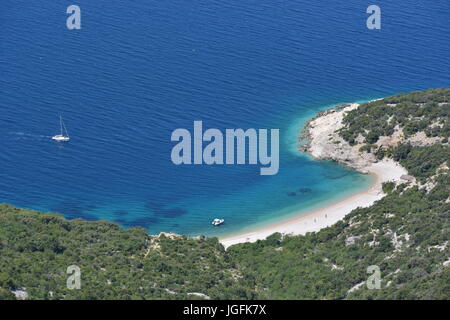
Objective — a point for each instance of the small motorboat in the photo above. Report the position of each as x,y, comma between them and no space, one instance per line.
61,137
217,222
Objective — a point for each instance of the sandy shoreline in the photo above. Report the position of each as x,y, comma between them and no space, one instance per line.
320,148
318,219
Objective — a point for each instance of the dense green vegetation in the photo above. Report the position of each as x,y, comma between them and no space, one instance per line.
36,249
405,235
421,162
427,111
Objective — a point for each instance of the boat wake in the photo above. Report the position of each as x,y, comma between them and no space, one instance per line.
28,136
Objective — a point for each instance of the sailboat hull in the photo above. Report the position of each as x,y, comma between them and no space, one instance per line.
60,138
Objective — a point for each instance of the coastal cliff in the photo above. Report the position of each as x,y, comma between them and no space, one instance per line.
361,135
322,141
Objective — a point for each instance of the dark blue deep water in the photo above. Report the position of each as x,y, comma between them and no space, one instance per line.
139,69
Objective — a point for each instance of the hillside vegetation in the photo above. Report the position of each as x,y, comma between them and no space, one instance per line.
404,114
405,235
36,248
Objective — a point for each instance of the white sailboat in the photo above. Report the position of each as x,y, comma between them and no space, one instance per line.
62,137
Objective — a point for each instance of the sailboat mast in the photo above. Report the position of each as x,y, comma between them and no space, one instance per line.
60,124
67,133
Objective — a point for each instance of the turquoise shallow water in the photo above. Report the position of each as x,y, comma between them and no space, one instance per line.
136,71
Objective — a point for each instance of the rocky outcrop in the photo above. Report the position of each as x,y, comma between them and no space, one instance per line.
320,138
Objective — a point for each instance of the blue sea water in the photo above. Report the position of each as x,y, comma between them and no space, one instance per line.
137,70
